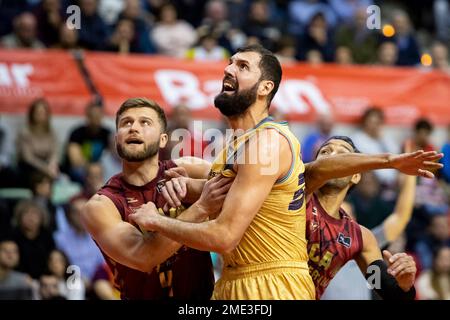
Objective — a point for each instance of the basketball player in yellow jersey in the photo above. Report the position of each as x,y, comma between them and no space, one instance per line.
260,230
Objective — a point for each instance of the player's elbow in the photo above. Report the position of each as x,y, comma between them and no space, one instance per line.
227,243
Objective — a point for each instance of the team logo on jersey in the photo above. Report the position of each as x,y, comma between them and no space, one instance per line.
314,226
345,241
131,200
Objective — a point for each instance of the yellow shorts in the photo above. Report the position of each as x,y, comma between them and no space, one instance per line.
277,280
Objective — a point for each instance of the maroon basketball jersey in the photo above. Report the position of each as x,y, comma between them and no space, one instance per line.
331,243
188,274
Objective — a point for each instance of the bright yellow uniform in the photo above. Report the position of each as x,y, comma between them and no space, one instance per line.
270,261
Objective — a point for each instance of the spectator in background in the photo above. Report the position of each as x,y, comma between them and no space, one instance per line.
68,39
439,54
110,160
317,37
86,143
94,32
31,235
361,41
24,34
408,48
208,50
301,13
58,266
73,239
387,54
312,142
41,186
343,56
123,38
37,144
94,179
434,284
141,26
171,36
441,10
423,129
49,18
49,288
370,139
14,285
285,51
314,57
437,235
183,140
259,24
368,202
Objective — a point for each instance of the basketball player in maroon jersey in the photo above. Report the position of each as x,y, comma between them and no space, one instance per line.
334,237
147,265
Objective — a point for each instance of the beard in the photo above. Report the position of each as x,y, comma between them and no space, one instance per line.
235,104
149,151
337,184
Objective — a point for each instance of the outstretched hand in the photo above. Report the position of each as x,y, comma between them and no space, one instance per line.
418,163
402,267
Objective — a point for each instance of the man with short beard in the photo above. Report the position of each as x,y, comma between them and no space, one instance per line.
148,265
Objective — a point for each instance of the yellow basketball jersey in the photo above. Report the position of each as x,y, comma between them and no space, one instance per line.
277,233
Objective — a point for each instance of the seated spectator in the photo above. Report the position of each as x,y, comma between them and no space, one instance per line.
317,37
370,139
434,284
408,48
58,266
141,26
24,34
259,24
347,10
94,32
285,50
437,235
361,41
208,50
423,129
387,54
368,201
41,187
86,143
49,18
34,240
75,241
314,57
68,39
123,38
37,144
439,54
343,56
312,142
302,11
49,288
14,285
172,37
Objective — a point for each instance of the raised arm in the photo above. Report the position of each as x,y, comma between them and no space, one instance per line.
417,163
122,241
397,221
242,203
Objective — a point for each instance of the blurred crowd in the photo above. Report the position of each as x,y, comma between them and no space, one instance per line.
409,33
45,252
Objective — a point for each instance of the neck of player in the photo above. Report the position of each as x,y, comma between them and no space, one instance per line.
140,173
331,200
251,117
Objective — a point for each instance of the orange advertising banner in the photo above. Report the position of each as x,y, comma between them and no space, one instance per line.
26,75
345,91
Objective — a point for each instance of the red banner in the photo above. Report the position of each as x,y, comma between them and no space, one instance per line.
26,75
404,93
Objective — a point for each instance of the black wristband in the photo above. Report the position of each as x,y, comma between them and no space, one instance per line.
387,287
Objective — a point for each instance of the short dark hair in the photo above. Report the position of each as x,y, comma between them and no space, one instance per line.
423,124
372,110
143,103
269,65
343,138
